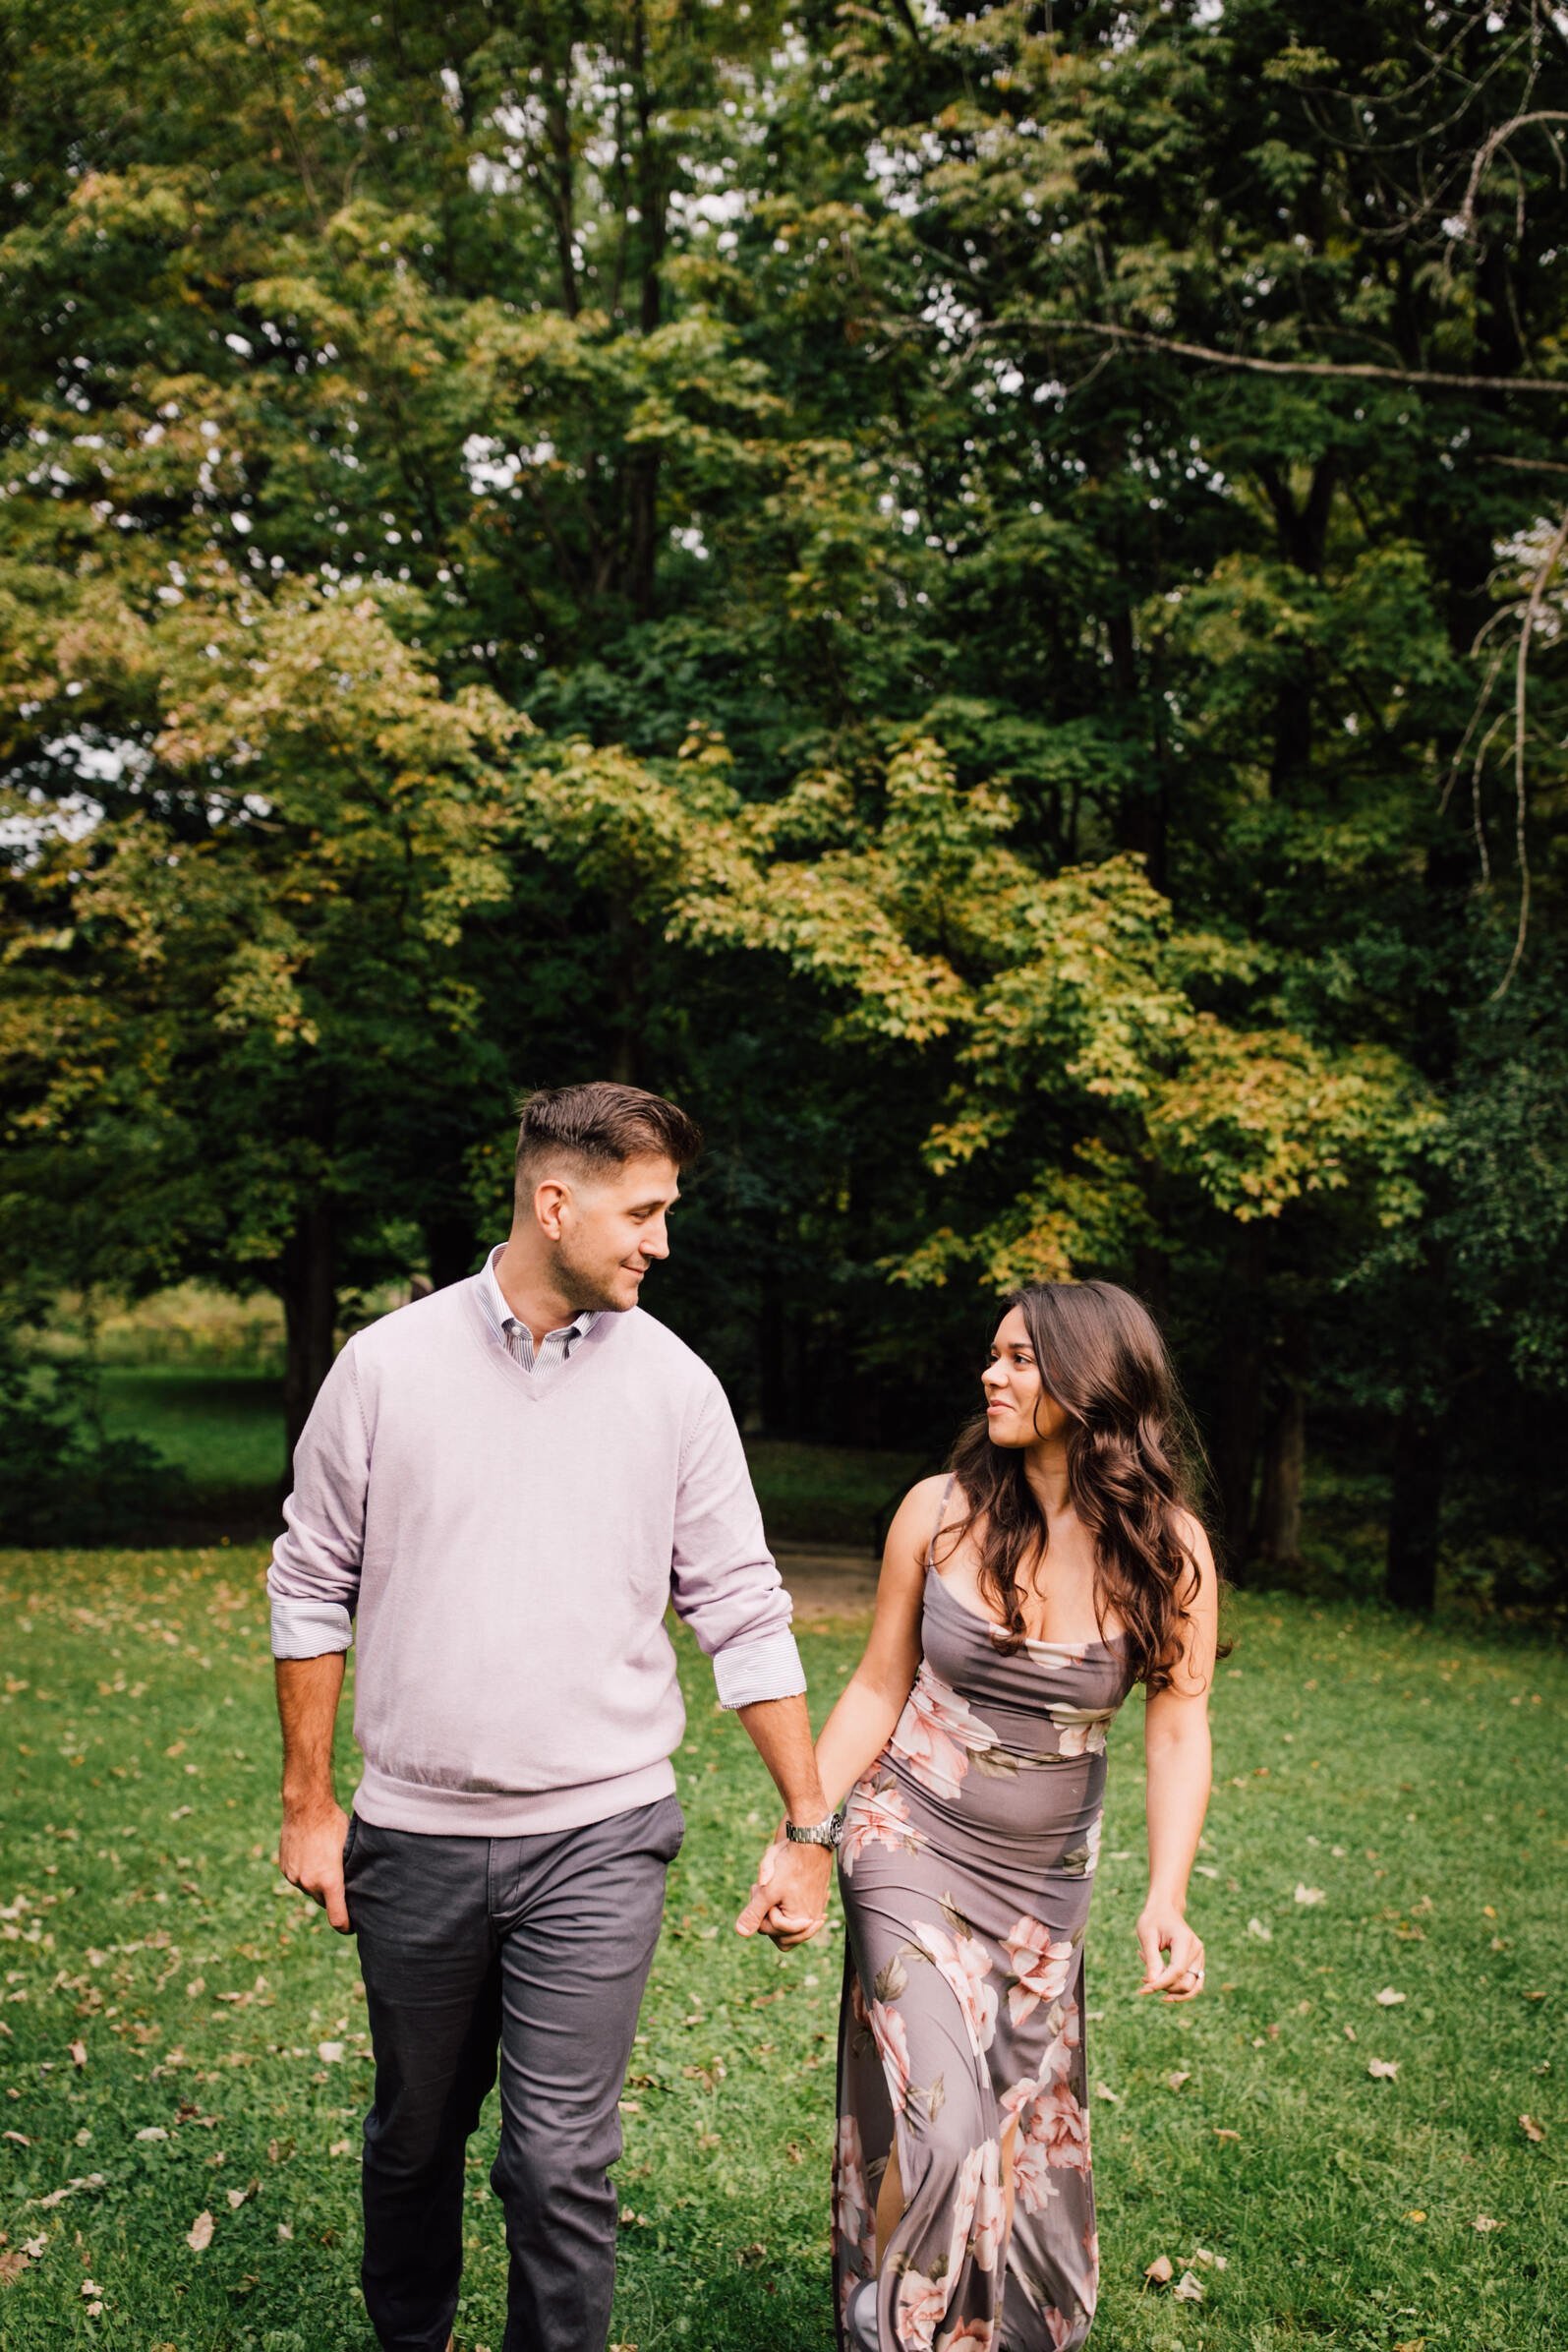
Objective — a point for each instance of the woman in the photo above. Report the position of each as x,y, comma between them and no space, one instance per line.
1021,1599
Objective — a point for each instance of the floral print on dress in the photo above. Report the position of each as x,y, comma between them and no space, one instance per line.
982,2198
853,2213
1083,1731
971,2335
876,1815
855,2216
923,2306
937,1734
892,2047
968,1873
1041,1967
964,1964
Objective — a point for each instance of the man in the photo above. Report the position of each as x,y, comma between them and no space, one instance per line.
506,1483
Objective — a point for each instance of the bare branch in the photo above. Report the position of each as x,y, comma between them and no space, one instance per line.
1477,821
1483,699
1327,371
1539,586
1489,147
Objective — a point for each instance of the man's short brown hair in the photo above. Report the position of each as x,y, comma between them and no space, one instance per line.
601,1126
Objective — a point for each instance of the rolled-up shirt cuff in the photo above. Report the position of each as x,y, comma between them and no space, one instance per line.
768,1669
310,1628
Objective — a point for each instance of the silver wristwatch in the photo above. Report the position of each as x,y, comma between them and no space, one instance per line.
816,1833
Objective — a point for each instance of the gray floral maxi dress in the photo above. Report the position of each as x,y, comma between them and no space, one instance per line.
967,1869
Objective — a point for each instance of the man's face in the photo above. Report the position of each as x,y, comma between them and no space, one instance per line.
611,1228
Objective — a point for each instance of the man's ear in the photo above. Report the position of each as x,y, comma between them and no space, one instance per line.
548,1200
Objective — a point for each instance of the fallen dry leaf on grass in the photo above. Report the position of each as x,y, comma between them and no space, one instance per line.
1189,2289
1385,2069
1485,2221
57,2197
78,2053
1305,1893
13,2262
1175,2082
1255,1927
1530,2128
1388,1998
199,2237
1414,2214
1162,2270
330,2052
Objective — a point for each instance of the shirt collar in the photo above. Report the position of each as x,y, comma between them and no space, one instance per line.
498,1315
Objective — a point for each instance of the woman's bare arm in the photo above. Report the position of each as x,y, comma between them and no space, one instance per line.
1176,1746
872,1700
856,1731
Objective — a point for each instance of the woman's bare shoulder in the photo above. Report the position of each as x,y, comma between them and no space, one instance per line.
915,1519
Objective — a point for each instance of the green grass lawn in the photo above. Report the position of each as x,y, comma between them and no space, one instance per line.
165,2004
223,1428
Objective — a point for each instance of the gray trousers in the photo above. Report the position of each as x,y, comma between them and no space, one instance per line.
523,1954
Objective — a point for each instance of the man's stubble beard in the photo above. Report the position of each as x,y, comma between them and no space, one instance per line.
587,1286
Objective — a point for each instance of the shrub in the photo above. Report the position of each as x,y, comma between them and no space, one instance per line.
62,1478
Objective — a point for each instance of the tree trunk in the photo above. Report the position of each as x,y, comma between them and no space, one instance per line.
630,994
1414,1506
1279,1504
1238,1420
653,205
308,1286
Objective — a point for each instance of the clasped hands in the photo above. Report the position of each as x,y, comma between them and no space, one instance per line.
788,1900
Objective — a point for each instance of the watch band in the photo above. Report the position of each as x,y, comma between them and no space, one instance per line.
816,1833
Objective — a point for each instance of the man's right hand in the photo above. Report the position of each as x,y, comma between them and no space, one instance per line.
310,1856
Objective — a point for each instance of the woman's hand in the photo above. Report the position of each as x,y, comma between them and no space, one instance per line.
1163,1934
790,1900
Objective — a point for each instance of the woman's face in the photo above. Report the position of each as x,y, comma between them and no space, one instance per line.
1019,1409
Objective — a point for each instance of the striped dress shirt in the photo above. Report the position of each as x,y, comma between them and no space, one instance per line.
553,1350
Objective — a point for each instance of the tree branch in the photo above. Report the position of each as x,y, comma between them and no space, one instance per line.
1326,371
1539,586
1488,147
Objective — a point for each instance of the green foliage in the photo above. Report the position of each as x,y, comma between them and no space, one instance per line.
976,594
67,1479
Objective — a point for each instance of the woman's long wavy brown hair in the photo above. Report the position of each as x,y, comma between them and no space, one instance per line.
1130,1470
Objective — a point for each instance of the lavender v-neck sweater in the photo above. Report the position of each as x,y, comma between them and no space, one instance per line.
509,1546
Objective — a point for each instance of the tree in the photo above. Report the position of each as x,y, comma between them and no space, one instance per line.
915,472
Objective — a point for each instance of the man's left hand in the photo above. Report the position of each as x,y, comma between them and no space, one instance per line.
790,1900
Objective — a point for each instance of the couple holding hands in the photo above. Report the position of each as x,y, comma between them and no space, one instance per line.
500,1490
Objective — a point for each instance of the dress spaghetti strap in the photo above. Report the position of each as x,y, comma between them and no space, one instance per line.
942,1513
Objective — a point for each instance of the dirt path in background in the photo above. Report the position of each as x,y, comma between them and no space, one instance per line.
828,1583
